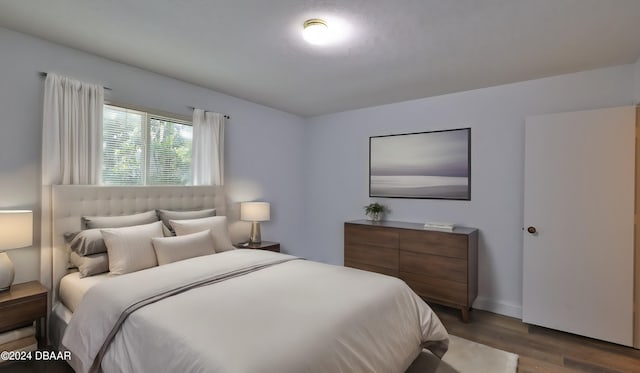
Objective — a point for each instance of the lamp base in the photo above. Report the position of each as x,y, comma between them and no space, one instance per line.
255,238
7,272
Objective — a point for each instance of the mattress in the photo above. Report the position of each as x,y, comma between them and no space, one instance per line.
73,288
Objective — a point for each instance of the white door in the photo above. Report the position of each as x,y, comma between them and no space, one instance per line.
579,199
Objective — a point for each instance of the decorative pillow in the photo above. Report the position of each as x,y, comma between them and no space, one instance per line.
87,242
166,215
217,225
89,222
173,249
91,264
130,248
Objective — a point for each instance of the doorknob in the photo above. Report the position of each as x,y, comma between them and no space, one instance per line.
532,230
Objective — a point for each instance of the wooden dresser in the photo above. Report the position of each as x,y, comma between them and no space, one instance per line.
441,267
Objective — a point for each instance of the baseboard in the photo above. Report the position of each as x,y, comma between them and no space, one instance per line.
502,308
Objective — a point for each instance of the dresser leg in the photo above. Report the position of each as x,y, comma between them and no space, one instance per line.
465,314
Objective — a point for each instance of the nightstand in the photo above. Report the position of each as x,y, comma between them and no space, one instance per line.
22,305
264,245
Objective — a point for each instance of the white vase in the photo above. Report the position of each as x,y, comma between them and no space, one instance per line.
6,271
375,216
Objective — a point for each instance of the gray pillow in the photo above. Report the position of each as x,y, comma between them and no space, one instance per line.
173,249
87,242
167,215
91,264
89,222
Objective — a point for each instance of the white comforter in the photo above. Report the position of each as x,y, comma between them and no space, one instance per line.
297,316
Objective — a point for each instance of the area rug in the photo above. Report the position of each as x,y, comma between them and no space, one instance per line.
465,356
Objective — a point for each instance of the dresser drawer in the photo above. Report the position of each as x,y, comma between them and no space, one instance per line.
22,312
446,291
438,243
435,266
439,266
370,268
372,255
372,236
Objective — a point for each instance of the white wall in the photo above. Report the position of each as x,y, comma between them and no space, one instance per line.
637,81
337,169
263,145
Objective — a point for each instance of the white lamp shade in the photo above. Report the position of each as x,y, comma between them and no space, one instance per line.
16,229
255,211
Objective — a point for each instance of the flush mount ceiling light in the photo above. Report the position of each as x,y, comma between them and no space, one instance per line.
315,31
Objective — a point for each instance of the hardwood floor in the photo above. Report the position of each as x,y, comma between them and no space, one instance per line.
541,349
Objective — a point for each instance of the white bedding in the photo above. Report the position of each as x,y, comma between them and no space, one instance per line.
294,316
73,288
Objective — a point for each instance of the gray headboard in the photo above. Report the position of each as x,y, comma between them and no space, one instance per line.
70,202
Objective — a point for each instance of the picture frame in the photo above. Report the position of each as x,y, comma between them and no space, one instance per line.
421,165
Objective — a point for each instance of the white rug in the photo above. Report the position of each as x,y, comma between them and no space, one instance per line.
465,356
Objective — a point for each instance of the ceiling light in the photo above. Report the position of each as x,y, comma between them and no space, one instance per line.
315,31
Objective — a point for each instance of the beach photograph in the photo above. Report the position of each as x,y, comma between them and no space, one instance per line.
421,165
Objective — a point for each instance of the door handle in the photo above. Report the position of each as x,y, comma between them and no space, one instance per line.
532,230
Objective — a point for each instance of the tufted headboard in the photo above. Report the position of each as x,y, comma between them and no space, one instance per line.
70,202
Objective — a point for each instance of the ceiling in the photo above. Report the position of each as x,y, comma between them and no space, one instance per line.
390,51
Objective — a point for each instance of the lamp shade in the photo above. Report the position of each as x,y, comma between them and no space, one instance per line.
16,229
255,211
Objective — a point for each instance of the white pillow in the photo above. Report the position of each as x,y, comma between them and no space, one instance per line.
130,248
217,225
91,264
173,249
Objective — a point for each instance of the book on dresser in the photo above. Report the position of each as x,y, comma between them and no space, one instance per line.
440,266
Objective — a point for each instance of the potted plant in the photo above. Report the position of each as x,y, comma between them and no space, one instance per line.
374,211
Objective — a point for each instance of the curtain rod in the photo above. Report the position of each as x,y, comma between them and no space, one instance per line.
225,115
43,74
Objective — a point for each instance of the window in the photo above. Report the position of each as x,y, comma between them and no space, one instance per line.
142,148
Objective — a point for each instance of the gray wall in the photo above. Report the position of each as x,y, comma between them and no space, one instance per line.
637,82
264,146
337,168
314,171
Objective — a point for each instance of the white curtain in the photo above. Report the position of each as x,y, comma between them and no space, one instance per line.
71,148
71,132
208,148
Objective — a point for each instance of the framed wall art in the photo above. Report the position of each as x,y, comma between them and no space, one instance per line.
434,164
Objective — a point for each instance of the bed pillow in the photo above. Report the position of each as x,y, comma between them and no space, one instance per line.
89,222
216,224
167,215
130,248
91,264
173,249
87,242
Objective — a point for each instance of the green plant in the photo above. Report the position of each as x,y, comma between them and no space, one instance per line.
374,208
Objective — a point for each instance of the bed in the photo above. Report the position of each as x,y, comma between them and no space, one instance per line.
235,311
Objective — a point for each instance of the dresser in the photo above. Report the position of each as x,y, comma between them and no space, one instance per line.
441,267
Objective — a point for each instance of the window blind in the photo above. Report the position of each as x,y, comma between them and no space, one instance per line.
145,149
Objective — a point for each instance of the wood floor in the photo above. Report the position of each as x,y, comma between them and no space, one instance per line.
541,349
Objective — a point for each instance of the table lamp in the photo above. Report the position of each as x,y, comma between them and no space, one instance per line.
255,212
16,230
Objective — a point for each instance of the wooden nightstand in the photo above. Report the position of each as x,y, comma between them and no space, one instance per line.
22,305
264,245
